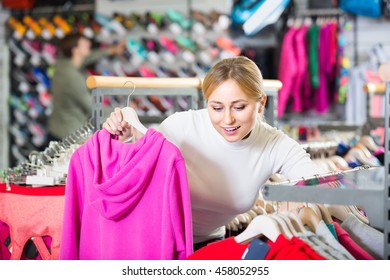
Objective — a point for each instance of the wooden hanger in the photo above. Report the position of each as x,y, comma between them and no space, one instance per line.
340,162
261,225
356,154
364,149
265,206
355,211
326,216
309,218
316,209
367,141
296,221
282,225
288,222
130,116
338,211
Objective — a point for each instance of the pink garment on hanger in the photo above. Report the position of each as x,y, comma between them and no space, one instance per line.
350,244
127,201
287,70
300,91
33,213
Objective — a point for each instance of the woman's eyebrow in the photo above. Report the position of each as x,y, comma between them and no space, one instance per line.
233,102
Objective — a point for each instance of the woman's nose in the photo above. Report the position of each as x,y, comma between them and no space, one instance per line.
229,117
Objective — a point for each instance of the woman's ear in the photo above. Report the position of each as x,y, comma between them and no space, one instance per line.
263,101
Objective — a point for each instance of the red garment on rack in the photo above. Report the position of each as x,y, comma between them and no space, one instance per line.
350,244
227,249
33,213
294,249
281,249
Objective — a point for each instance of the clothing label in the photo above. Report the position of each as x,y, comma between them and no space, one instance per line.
257,250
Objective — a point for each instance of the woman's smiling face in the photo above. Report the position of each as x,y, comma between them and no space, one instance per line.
232,112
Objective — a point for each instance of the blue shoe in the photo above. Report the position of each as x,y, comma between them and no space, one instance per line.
244,10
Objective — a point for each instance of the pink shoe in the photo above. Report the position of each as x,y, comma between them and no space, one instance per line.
168,44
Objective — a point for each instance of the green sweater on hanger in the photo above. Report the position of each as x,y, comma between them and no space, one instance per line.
312,38
72,102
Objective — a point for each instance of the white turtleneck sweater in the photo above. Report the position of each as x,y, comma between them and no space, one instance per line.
224,177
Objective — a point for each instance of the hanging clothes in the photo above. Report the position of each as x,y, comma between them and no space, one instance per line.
287,70
369,238
281,249
308,68
32,214
358,252
321,98
312,38
301,89
127,201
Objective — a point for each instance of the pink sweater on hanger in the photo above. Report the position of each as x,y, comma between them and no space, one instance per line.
301,91
287,72
127,201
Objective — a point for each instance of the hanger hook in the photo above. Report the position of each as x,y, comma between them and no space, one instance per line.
128,97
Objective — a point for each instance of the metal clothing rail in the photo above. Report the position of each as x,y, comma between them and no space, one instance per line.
362,186
114,81
101,84
384,73
129,82
369,187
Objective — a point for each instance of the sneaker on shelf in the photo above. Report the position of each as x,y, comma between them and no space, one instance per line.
227,44
136,47
20,56
188,56
49,53
186,72
146,72
164,72
203,18
152,111
150,44
153,57
33,47
178,17
168,57
20,137
186,43
40,76
158,103
20,116
183,103
169,44
199,29
45,98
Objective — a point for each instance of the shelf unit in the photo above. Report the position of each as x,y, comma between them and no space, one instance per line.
367,187
112,85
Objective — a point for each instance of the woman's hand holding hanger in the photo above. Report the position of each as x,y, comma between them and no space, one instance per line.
115,124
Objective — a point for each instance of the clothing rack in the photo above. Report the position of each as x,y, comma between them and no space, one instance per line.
319,12
320,146
384,73
369,186
333,12
48,167
109,85
372,89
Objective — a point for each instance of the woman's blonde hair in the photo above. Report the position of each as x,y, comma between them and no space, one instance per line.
240,69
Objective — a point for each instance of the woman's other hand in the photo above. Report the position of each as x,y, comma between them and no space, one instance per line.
115,124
